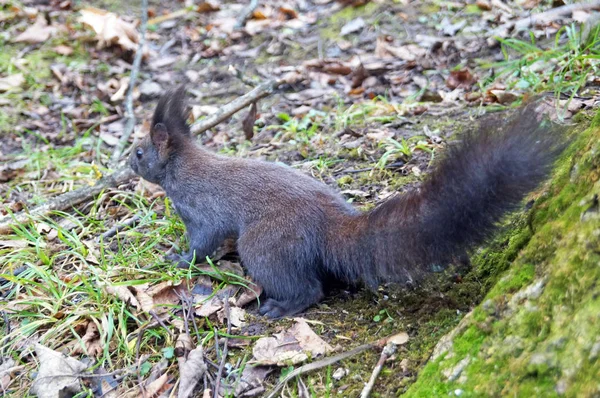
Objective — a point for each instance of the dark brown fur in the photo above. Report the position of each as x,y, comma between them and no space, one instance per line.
294,232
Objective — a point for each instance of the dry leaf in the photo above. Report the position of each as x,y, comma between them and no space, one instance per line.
92,346
250,292
63,50
460,78
11,82
52,364
110,28
124,294
39,32
291,346
210,307
191,372
156,386
236,316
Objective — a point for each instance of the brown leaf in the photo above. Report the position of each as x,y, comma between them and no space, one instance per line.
39,32
504,97
248,122
250,292
208,6
92,346
460,78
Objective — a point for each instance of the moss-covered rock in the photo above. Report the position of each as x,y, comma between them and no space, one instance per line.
537,332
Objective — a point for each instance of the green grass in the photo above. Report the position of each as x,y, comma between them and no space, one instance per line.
561,67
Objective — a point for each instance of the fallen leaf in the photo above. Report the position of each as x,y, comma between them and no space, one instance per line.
504,97
7,368
47,384
110,28
63,50
210,307
156,386
11,82
191,372
460,78
290,347
252,378
39,32
236,316
124,294
250,292
92,346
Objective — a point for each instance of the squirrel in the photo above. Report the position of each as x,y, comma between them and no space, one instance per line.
294,233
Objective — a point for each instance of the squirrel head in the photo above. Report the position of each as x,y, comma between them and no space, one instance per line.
169,133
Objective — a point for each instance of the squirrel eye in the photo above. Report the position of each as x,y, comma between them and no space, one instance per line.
139,152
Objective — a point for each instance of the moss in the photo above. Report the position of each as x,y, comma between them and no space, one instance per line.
344,181
533,333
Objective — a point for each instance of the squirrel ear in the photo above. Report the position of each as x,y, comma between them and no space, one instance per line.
159,136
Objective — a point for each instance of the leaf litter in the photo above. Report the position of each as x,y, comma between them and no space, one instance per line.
348,78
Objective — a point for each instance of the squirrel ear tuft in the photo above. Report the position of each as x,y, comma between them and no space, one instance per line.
159,136
172,111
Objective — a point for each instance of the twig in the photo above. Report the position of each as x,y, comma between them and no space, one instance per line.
225,347
323,363
129,126
240,76
67,199
119,227
173,15
388,351
124,174
241,21
262,90
546,16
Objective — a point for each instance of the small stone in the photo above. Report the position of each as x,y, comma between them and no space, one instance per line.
150,89
339,373
458,392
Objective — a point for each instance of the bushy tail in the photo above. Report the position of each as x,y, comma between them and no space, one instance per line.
478,180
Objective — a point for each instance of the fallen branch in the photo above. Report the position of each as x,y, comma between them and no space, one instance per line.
325,362
546,16
388,351
67,200
135,67
124,174
262,90
119,227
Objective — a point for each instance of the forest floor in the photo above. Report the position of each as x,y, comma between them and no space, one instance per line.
373,91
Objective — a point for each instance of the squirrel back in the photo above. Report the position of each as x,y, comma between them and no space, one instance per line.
293,233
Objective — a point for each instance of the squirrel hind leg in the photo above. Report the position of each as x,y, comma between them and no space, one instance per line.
272,308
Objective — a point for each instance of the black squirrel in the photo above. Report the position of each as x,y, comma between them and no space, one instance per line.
293,232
